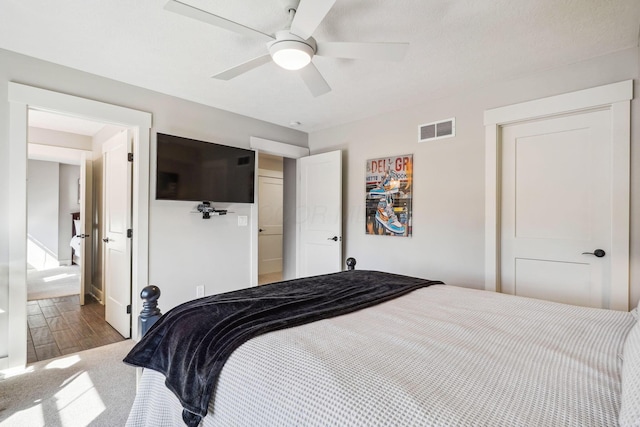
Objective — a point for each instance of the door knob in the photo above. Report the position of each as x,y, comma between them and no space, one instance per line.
598,252
334,238
106,240
260,230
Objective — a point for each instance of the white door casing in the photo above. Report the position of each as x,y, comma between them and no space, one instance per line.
21,98
615,100
556,205
269,225
276,148
116,221
86,224
319,214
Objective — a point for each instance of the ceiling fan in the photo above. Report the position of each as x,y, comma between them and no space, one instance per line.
293,47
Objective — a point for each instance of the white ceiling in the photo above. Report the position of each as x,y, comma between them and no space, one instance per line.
51,152
48,120
455,45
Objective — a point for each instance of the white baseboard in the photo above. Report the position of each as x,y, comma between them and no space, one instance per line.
97,293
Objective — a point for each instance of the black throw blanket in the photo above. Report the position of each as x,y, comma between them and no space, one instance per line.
191,342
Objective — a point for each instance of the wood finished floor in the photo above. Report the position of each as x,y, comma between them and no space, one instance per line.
263,279
59,326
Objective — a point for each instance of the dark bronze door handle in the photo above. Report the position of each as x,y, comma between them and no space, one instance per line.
598,252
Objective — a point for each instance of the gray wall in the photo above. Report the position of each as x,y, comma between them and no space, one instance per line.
449,174
52,195
185,250
43,206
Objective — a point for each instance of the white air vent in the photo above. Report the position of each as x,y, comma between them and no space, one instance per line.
437,130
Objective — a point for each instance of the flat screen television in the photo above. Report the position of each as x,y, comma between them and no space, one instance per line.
192,170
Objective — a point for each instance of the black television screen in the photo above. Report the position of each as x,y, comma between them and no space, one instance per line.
193,170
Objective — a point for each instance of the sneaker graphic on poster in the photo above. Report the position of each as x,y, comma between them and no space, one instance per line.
390,184
387,218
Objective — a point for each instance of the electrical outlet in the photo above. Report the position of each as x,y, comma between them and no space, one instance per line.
242,221
199,291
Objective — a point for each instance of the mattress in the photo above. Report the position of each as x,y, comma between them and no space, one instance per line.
439,356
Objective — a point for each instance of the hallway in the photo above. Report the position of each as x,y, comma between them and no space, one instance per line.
58,326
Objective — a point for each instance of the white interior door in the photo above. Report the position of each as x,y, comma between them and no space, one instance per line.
557,209
319,214
269,225
86,214
117,220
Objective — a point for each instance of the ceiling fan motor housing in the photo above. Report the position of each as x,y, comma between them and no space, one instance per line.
290,51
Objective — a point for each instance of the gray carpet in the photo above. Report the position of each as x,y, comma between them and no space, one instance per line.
89,388
53,282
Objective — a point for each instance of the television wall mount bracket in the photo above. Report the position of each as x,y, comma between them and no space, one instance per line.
208,210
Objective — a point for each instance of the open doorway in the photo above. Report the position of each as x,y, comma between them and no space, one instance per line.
270,219
65,303
288,154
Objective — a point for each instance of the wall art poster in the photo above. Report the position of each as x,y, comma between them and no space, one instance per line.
389,195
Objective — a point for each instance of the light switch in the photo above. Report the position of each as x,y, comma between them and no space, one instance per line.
242,220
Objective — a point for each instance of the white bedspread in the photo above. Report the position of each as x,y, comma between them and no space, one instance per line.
75,245
439,356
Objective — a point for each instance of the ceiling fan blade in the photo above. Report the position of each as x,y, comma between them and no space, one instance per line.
309,15
210,18
314,80
379,51
243,68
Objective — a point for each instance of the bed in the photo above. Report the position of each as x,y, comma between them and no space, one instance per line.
436,355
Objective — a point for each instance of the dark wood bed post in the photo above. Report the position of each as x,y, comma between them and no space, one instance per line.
351,263
150,312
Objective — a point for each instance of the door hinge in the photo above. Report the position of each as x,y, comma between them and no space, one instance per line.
129,309
130,157
129,233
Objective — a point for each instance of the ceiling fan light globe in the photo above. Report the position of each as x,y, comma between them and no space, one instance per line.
291,55
291,59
